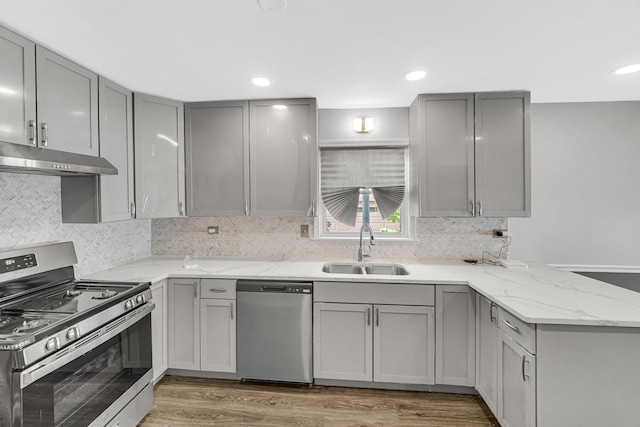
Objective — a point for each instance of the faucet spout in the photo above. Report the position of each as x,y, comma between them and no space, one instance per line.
372,242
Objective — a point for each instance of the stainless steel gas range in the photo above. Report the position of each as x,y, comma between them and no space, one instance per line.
72,353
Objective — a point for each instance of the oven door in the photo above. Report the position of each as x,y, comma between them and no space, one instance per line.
92,380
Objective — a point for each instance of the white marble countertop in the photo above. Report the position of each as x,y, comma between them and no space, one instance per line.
539,294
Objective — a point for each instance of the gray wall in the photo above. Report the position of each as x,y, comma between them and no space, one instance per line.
585,186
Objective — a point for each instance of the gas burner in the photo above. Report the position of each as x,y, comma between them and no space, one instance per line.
71,293
105,294
31,325
4,321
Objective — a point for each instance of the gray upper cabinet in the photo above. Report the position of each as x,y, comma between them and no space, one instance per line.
470,155
17,89
116,145
159,157
217,158
106,198
67,100
283,153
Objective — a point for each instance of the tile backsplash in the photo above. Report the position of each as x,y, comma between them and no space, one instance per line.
30,214
279,237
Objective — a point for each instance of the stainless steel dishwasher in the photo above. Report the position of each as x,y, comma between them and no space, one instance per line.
274,327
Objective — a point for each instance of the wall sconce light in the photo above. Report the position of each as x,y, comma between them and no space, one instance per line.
363,124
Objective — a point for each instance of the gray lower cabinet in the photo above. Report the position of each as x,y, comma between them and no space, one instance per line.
381,343
455,335
106,198
470,154
159,325
159,157
487,352
17,89
218,325
217,158
251,158
184,323
67,104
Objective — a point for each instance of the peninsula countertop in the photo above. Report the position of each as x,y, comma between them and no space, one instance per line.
537,294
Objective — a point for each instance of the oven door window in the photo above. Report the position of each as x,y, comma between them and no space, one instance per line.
77,393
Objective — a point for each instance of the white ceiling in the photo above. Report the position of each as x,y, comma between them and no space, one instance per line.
346,53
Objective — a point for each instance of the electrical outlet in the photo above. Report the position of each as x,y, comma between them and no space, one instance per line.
215,230
304,230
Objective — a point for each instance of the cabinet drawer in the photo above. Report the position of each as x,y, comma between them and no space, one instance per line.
218,288
374,293
521,332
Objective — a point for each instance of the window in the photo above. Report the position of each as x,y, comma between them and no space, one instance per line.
363,186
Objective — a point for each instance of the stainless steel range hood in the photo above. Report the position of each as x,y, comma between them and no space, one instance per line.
26,159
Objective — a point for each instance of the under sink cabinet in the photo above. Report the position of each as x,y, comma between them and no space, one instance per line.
372,332
254,158
470,155
202,325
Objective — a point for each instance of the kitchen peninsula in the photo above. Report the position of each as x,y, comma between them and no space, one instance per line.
573,335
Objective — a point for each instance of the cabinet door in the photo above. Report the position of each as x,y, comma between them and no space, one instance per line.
116,145
217,158
455,336
516,384
67,104
218,335
17,89
159,159
487,352
159,330
342,341
184,324
503,154
284,150
447,155
403,344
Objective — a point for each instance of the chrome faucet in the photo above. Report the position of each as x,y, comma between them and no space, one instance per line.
372,242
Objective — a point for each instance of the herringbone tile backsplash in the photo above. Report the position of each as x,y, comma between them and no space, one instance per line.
30,213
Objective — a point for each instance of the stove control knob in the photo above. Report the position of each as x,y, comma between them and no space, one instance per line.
128,305
140,299
72,334
52,344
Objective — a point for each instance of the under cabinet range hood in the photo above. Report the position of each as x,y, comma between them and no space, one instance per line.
25,159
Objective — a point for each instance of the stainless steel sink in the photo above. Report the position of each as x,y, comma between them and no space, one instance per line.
386,269
336,268
365,268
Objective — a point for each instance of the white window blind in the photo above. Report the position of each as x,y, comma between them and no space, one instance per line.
343,172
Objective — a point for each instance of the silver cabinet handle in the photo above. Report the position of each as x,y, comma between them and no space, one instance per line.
217,290
377,317
473,208
180,209
479,209
368,317
45,134
515,328
491,316
32,132
524,374
133,210
231,311
246,208
195,290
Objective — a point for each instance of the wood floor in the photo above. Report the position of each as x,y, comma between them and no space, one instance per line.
183,401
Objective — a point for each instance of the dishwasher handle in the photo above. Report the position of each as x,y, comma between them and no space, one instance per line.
274,289
275,286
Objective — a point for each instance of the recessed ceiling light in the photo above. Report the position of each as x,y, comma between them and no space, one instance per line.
280,107
261,81
272,5
627,69
415,75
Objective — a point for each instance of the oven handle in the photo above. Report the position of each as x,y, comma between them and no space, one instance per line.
96,338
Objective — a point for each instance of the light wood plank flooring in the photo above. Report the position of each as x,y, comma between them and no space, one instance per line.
204,402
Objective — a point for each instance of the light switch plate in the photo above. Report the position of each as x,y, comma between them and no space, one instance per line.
304,230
